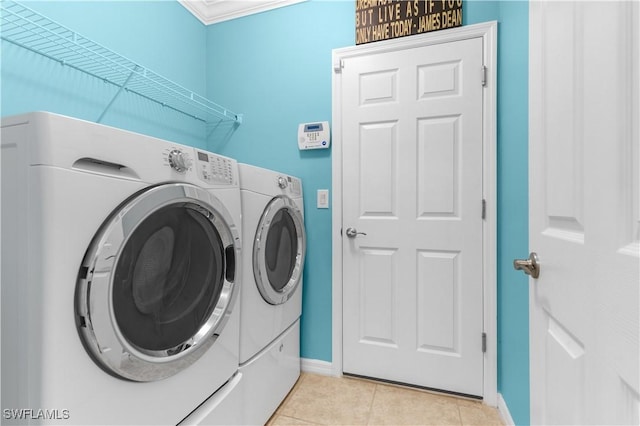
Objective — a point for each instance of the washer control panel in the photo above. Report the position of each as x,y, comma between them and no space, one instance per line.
178,159
212,168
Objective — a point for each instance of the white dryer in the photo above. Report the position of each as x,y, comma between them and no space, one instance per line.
120,274
271,298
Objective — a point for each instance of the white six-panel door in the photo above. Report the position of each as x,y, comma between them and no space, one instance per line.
413,187
584,212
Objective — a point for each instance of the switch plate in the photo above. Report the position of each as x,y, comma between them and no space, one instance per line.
323,198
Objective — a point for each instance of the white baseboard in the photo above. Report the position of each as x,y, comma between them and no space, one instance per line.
504,411
316,366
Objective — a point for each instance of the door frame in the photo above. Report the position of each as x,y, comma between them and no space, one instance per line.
488,32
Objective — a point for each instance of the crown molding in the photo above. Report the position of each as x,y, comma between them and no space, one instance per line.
212,11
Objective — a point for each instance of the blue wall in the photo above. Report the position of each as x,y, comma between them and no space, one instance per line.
513,207
275,68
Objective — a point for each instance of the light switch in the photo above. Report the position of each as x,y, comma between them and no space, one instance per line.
323,198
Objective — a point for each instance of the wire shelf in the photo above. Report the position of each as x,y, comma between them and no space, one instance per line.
32,31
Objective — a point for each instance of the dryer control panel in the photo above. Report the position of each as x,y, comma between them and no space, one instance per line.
213,168
290,185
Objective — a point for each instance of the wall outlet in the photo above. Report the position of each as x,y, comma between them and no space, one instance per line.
323,198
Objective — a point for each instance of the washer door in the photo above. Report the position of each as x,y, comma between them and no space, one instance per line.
278,250
156,286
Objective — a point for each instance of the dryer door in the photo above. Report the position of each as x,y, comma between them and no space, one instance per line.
157,283
278,250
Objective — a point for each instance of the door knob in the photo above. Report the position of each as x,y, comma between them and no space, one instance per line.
353,232
530,266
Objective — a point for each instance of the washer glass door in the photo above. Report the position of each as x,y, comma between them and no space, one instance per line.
278,250
157,283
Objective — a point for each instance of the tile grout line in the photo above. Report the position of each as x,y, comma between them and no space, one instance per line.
303,420
373,398
287,399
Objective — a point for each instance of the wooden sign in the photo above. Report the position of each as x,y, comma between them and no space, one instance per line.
386,19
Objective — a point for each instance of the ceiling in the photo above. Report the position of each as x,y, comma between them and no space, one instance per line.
212,11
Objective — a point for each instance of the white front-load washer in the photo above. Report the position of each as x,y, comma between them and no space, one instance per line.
274,242
120,275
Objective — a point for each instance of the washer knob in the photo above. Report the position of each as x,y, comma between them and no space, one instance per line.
282,182
178,161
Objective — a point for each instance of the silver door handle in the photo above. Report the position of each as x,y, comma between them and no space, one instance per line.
530,266
352,233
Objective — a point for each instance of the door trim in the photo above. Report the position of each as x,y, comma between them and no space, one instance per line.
488,32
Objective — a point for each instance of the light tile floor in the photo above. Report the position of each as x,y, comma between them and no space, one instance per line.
324,400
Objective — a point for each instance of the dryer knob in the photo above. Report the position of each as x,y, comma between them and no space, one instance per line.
282,182
178,161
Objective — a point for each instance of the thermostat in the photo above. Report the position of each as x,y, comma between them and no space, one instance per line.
314,135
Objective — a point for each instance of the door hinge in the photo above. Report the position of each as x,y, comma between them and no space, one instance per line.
484,209
484,342
337,67
484,75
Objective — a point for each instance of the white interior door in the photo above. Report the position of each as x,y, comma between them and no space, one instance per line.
584,212
413,192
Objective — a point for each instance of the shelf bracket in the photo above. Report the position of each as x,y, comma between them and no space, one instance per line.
120,89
